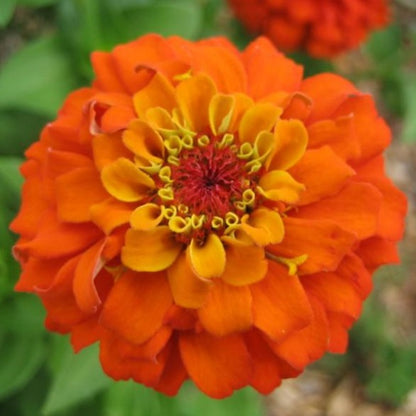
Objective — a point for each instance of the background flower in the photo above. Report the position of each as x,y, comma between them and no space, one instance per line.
324,28
217,220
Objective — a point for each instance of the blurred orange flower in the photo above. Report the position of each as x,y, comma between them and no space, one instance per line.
323,28
206,213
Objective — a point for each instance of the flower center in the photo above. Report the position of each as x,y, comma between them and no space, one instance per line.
208,180
206,184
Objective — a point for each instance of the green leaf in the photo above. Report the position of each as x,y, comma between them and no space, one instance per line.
18,129
21,356
385,43
10,181
79,378
37,77
36,3
182,17
409,120
24,314
394,374
127,398
6,11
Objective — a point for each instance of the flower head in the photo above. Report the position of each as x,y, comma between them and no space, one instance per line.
324,28
206,213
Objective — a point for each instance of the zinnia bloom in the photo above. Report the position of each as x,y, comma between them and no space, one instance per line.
206,213
324,28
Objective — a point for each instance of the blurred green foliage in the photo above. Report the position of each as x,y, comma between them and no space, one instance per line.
39,374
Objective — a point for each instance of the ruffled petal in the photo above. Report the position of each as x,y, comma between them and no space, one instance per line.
264,227
309,171
260,117
291,140
194,96
226,310
207,261
280,305
144,142
136,305
328,92
219,374
221,109
146,217
325,244
110,214
308,344
107,148
123,180
261,57
279,185
159,92
187,289
342,208
150,251
76,191
245,265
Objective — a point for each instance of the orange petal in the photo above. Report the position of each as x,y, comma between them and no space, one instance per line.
262,116
150,251
268,369
159,92
216,374
194,96
335,292
325,243
338,326
146,217
37,274
308,344
107,148
393,204
88,267
227,309
291,140
85,333
60,162
318,185
278,185
220,60
371,130
245,265
209,260
328,92
221,110
188,291
110,214
136,305
261,57
242,104
376,251
264,227
119,367
356,209
144,141
76,237
339,134
107,78
297,106
76,191
123,180
280,305
174,373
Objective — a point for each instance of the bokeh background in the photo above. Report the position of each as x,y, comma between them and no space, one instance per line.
44,54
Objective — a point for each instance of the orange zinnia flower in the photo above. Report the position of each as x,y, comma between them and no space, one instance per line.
324,28
207,214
